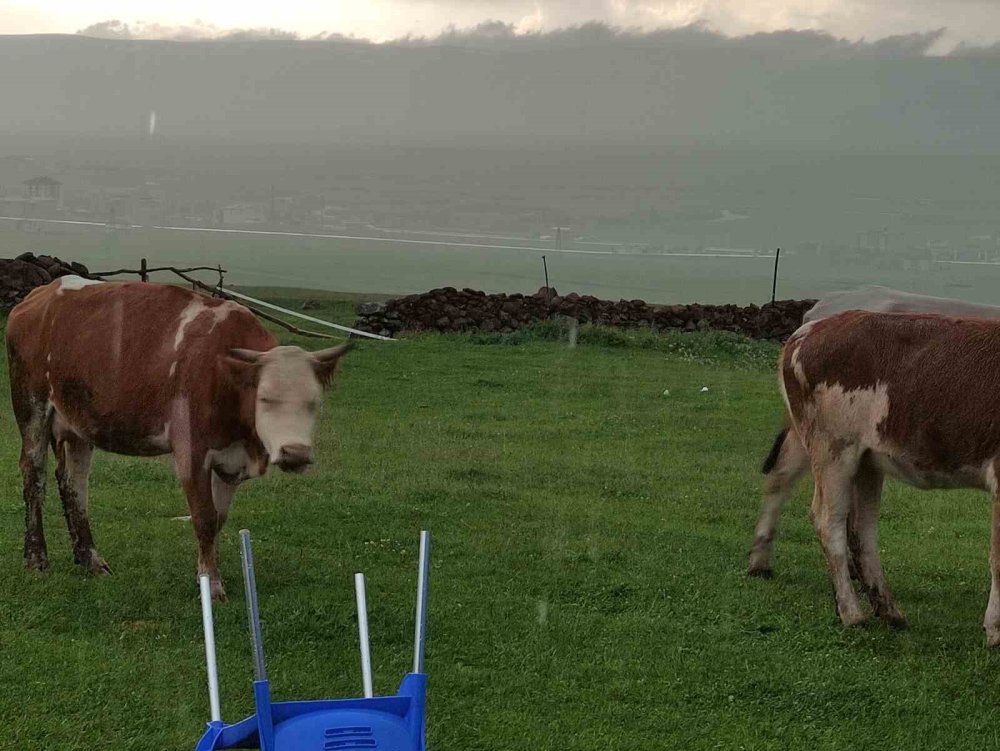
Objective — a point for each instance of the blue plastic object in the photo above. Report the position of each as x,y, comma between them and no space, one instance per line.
383,723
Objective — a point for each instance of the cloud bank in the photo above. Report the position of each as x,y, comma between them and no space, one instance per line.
499,35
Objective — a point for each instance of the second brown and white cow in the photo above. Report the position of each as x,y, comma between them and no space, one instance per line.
145,370
788,461
916,397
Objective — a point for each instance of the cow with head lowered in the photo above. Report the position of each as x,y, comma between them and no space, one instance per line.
788,461
910,396
146,370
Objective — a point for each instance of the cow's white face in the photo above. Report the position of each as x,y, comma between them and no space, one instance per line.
289,395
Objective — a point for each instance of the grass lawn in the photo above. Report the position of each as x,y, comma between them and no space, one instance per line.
587,589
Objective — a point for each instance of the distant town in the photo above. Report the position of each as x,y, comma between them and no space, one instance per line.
36,198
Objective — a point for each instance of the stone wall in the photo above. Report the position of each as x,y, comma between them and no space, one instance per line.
450,310
18,276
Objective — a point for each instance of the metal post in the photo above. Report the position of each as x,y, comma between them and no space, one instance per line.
143,274
253,611
366,655
774,284
213,671
423,577
546,267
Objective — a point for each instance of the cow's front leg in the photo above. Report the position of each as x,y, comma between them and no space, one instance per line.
222,497
207,524
991,622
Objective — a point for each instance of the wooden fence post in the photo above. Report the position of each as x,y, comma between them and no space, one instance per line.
143,274
774,283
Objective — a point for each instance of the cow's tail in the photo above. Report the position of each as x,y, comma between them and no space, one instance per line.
772,458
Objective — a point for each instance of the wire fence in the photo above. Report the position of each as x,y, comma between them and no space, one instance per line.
396,266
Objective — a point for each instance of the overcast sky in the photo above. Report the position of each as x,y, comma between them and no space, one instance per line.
969,21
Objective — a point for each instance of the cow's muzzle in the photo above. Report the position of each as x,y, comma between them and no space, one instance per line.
294,457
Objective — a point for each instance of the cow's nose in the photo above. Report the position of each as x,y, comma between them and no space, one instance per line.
294,457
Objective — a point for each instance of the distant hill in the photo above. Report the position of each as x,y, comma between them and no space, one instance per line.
623,88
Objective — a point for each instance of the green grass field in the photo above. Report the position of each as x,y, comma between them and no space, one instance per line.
588,587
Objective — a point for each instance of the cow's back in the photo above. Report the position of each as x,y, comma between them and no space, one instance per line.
924,385
878,299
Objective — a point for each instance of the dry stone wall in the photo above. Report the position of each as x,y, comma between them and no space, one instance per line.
18,276
452,310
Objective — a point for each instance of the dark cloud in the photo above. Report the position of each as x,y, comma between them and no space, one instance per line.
499,35
115,29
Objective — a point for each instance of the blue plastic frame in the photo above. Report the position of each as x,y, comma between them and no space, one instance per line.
384,723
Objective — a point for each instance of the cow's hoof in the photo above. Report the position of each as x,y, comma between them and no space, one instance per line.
218,592
853,618
890,615
992,637
760,571
896,621
93,564
36,560
99,567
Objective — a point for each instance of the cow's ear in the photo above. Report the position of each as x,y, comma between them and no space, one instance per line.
242,366
249,356
325,361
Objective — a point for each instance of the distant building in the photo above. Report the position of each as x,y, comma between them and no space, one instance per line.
44,188
242,213
43,195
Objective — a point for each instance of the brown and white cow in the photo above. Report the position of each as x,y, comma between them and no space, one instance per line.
146,370
788,461
916,397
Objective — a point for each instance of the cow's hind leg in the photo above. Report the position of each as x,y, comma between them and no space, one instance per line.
73,460
34,419
854,539
784,467
867,499
834,473
991,622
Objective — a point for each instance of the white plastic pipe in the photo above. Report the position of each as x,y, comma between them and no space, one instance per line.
366,654
304,317
213,670
423,576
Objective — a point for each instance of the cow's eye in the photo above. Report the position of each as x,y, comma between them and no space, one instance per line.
268,402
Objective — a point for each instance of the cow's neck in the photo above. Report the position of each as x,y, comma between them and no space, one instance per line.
236,423
248,420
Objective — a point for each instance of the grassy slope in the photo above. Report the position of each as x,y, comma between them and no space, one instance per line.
587,588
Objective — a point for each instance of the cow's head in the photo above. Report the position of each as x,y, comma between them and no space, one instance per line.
288,382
